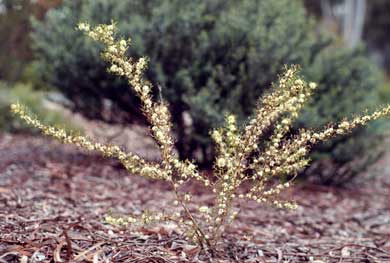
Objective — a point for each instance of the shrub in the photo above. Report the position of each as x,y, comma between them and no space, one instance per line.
211,58
25,94
262,148
14,30
347,89
384,92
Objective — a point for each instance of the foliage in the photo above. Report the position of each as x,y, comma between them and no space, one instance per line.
351,88
15,49
14,34
33,99
384,92
384,95
211,58
262,148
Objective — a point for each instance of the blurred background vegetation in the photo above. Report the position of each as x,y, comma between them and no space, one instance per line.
208,58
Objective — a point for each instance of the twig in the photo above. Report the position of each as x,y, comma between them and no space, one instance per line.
69,250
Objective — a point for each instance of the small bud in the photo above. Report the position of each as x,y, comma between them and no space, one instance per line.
83,27
221,162
299,82
112,49
145,89
312,85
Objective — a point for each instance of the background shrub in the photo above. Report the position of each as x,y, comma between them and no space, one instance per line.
347,81
25,94
14,34
209,58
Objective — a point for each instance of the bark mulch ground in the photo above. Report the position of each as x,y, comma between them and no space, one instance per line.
53,200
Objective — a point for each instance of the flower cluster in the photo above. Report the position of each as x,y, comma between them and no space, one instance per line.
258,153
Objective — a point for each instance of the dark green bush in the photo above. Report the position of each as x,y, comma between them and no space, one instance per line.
350,82
209,58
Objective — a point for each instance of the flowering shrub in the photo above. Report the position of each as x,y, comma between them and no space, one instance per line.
206,57
262,148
